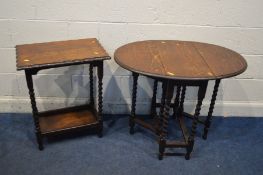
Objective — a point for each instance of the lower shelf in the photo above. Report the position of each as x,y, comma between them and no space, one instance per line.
67,118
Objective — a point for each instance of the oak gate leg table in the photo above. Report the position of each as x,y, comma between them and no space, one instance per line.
178,109
35,57
177,64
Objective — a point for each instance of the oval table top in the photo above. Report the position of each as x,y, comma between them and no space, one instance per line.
180,60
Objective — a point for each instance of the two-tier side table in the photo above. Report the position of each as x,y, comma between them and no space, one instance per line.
177,64
35,57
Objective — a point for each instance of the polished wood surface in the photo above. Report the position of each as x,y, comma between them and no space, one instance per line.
66,118
180,60
60,52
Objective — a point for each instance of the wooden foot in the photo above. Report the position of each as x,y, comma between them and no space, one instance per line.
100,129
131,130
40,142
187,156
100,135
161,148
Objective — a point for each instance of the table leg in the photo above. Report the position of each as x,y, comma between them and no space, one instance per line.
167,95
91,84
181,105
211,108
133,107
153,105
201,95
100,105
176,101
34,108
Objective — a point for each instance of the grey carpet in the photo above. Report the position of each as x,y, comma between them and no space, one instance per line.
234,146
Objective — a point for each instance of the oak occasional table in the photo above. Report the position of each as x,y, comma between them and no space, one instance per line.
35,57
177,64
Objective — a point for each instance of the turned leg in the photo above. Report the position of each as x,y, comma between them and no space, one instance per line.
100,105
162,141
91,84
133,108
181,105
176,101
153,105
167,95
211,108
201,95
34,108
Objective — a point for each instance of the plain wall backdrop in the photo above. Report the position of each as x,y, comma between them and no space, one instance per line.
235,24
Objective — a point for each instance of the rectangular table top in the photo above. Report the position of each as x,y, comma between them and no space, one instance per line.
59,53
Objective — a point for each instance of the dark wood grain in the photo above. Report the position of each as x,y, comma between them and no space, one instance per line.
180,60
211,109
153,104
191,138
34,57
67,118
31,92
133,107
60,52
181,64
